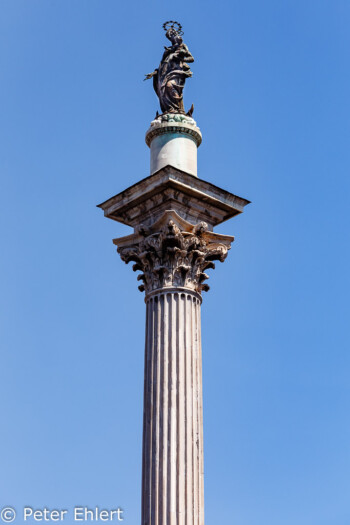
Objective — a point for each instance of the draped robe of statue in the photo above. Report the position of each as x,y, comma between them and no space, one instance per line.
169,78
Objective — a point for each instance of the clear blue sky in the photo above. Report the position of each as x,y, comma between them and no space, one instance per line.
271,90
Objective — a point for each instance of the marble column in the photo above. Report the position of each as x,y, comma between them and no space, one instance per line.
173,256
172,476
173,214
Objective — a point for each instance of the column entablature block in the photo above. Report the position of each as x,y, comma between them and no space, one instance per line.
193,199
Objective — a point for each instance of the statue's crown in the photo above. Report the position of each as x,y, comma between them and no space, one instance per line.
173,25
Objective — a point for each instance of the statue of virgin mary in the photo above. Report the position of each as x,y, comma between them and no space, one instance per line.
169,78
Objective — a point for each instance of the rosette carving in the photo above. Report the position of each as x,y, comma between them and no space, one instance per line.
172,257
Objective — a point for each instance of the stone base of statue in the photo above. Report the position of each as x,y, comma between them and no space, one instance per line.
173,139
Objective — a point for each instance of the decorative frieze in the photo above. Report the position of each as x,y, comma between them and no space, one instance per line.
174,123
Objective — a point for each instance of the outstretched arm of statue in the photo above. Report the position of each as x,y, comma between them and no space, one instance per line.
150,75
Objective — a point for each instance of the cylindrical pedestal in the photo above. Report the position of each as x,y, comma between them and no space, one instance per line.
175,150
172,467
173,140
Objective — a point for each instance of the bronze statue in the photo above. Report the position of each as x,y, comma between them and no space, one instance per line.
169,78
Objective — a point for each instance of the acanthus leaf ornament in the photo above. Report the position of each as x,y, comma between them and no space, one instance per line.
172,257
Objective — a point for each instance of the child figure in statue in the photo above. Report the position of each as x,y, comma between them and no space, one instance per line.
169,78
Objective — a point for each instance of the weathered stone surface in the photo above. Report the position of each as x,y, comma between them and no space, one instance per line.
173,214
193,199
173,253
172,467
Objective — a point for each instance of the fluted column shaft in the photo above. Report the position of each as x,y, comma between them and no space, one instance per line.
173,256
172,467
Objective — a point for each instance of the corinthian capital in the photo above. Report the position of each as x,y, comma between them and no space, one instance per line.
173,253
